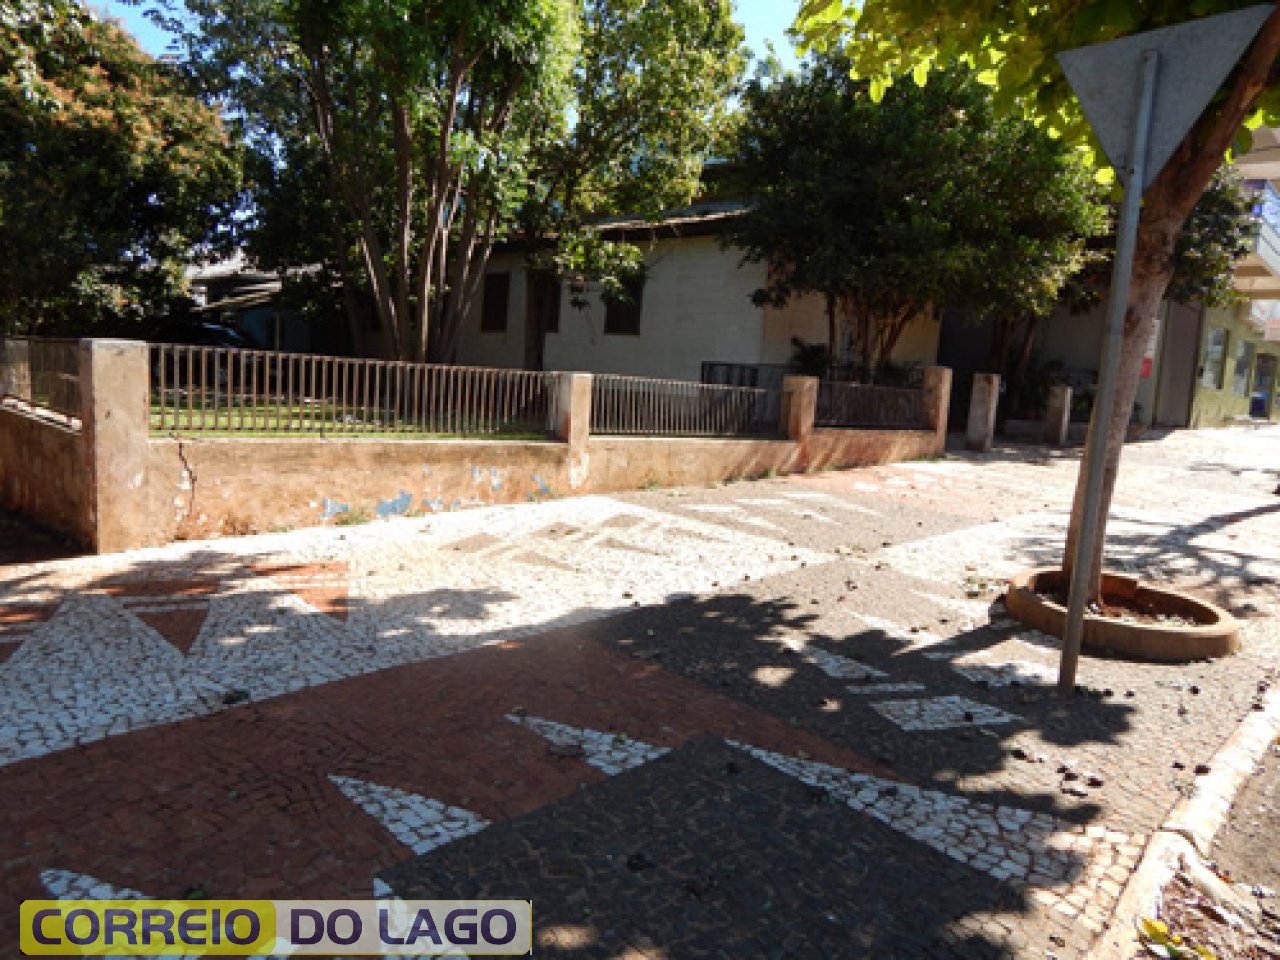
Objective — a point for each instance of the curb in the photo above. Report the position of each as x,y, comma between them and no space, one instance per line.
1189,831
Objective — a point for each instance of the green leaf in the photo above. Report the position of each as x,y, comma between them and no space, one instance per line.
820,11
920,74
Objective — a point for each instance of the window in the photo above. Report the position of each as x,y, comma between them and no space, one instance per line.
1244,369
544,293
493,308
1215,359
622,316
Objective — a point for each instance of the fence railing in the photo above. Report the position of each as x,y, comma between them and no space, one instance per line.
770,376
214,389
681,408
858,405
41,372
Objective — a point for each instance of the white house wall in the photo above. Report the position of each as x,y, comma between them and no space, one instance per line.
504,348
805,318
1075,340
919,342
696,307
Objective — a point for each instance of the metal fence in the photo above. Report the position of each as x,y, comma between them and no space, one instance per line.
41,372
770,376
681,408
212,390
858,405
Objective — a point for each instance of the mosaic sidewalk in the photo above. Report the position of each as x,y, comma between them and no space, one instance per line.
787,718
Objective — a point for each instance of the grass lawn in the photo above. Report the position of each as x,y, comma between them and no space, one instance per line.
311,419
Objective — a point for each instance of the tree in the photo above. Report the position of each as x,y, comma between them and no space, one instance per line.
413,115
888,209
1220,231
1014,45
110,173
416,134
650,101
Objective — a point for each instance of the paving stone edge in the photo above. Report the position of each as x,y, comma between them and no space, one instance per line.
1189,831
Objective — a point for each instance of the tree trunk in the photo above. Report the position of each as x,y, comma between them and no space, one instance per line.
1014,373
1153,268
1166,205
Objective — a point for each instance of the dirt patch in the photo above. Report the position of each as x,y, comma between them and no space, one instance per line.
1140,609
1243,855
1245,850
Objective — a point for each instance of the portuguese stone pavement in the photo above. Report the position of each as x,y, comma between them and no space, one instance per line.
787,718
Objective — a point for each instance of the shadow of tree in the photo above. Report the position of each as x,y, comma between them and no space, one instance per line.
749,860
720,852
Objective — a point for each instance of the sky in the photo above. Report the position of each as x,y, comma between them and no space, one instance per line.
764,20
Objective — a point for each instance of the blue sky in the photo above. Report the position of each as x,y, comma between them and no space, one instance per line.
764,19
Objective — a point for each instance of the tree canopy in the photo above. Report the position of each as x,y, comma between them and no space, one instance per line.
111,173
1012,46
415,134
920,200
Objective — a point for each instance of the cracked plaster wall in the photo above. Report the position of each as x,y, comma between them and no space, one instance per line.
216,487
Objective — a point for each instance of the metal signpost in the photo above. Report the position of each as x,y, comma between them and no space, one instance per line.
1178,70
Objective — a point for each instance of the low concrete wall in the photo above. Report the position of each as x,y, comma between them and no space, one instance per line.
837,449
114,486
228,486
631,463
44,473
215,487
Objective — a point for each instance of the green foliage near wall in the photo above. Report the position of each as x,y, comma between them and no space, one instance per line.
891,207
111,173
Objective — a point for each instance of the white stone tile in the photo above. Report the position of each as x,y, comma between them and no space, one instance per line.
940,713
420,823
611,753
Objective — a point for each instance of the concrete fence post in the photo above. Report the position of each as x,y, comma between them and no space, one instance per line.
799,407
1057,416
115,409
982,412
573,424
937,404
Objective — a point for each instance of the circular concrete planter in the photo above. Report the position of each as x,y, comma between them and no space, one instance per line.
1215,632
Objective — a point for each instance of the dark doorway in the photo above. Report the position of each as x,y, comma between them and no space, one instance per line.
1264,387
542,315
1179,355
965,347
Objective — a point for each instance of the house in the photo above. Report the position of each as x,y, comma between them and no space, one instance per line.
693,308
694,311
1236,376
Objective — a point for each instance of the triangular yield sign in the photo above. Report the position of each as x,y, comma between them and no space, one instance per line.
1195,59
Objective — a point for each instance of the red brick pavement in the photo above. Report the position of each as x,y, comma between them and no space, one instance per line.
240,804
